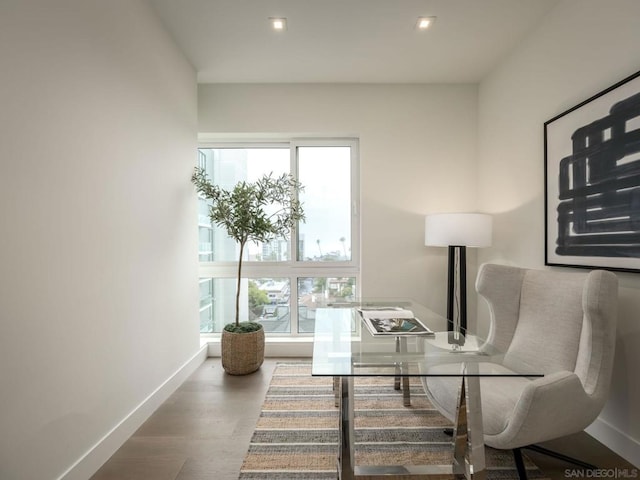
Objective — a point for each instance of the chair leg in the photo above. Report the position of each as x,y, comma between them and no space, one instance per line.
517,456
560,456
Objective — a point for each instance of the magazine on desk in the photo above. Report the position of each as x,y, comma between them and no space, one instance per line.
393,321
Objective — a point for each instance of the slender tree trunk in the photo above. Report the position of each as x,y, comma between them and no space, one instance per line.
238,285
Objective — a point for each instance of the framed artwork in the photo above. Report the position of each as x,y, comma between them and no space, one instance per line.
592,181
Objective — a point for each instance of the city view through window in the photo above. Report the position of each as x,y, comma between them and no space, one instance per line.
284,280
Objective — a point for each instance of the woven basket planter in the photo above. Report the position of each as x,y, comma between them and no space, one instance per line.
242,353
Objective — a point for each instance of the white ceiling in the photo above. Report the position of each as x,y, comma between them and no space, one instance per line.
362,41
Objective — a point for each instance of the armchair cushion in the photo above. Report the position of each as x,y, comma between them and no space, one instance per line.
549,324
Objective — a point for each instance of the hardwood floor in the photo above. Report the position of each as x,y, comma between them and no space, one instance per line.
587,449
203,430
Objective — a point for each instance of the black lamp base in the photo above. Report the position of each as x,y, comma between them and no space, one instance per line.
459,251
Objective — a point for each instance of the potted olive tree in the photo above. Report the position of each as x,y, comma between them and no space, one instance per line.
258,212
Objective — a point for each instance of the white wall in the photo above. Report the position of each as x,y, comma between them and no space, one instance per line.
581,48
417,155
98,246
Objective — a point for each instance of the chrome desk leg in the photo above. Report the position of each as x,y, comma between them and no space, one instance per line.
404,368
347,451
396,383
476,467
401,372
468,436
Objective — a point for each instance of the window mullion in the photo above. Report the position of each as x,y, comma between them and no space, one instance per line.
293,169
293,305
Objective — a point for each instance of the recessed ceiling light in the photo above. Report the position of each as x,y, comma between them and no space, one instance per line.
278,23
424,22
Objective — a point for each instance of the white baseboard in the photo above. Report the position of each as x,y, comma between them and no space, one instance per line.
97,455
621,443
274,347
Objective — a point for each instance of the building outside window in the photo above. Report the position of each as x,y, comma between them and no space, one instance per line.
286,279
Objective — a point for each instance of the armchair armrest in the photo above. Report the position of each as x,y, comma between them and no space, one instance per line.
549,407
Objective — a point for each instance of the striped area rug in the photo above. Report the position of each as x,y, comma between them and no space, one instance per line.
296,436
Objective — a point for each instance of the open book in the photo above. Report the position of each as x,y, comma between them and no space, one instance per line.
392,321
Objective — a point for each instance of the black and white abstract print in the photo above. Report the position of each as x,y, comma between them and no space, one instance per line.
592,170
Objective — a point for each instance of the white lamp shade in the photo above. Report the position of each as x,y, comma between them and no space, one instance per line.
458,229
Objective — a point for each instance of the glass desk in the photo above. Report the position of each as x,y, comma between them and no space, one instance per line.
344,348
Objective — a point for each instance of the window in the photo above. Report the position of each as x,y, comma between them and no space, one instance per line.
286,279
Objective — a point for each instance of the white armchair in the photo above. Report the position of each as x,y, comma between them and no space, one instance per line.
558,323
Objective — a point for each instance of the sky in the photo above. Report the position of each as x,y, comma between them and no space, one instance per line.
325,174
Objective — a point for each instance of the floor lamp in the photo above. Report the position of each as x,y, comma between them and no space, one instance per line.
457,231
